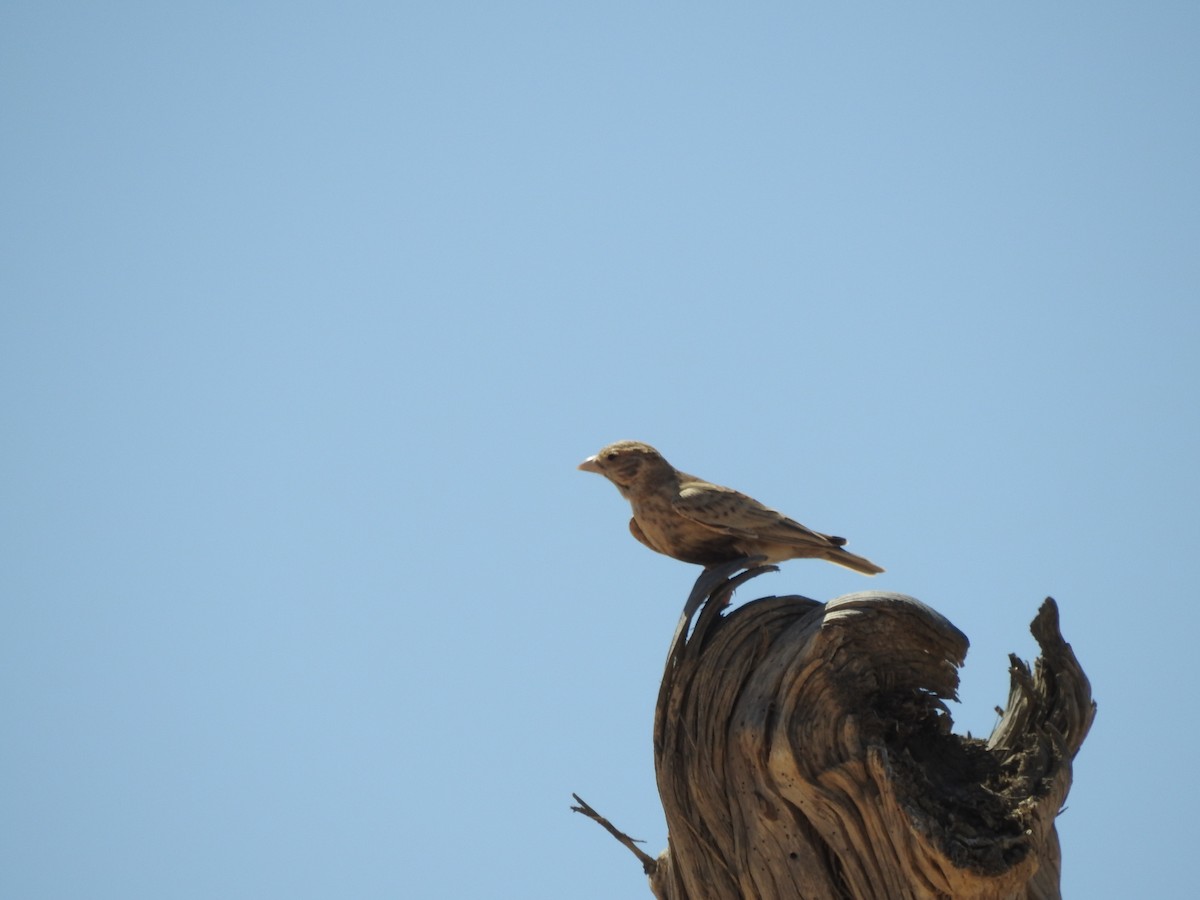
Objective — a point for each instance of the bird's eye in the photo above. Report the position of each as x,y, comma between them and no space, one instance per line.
612,455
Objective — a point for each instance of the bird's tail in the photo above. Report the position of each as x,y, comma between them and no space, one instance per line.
850,561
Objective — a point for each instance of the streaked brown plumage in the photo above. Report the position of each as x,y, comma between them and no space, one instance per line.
692,520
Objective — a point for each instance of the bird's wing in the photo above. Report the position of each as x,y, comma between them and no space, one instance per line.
733,513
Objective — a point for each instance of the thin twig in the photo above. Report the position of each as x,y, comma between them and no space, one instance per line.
649,863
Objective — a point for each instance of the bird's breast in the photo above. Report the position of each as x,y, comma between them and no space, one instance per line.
679,537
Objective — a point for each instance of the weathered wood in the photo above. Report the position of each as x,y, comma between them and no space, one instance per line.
805,750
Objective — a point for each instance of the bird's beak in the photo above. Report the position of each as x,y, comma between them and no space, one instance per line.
589,465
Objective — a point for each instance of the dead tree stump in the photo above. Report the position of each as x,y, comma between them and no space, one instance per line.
804,750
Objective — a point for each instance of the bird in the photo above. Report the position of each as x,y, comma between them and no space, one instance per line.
696,521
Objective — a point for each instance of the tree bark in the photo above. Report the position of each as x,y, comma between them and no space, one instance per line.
804,750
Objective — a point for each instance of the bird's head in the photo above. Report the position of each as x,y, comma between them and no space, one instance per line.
629,465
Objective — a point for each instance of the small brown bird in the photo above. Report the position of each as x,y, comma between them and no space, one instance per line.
687,518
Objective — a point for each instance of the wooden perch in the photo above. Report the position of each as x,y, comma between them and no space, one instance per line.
805,750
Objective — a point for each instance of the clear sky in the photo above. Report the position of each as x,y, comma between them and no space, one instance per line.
310,310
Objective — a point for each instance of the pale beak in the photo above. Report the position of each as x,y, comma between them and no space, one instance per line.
590,465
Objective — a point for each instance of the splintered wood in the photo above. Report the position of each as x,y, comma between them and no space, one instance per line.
805,750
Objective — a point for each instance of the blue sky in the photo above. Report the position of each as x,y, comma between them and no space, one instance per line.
311,310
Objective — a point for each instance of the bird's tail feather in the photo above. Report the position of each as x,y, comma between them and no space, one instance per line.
850,561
